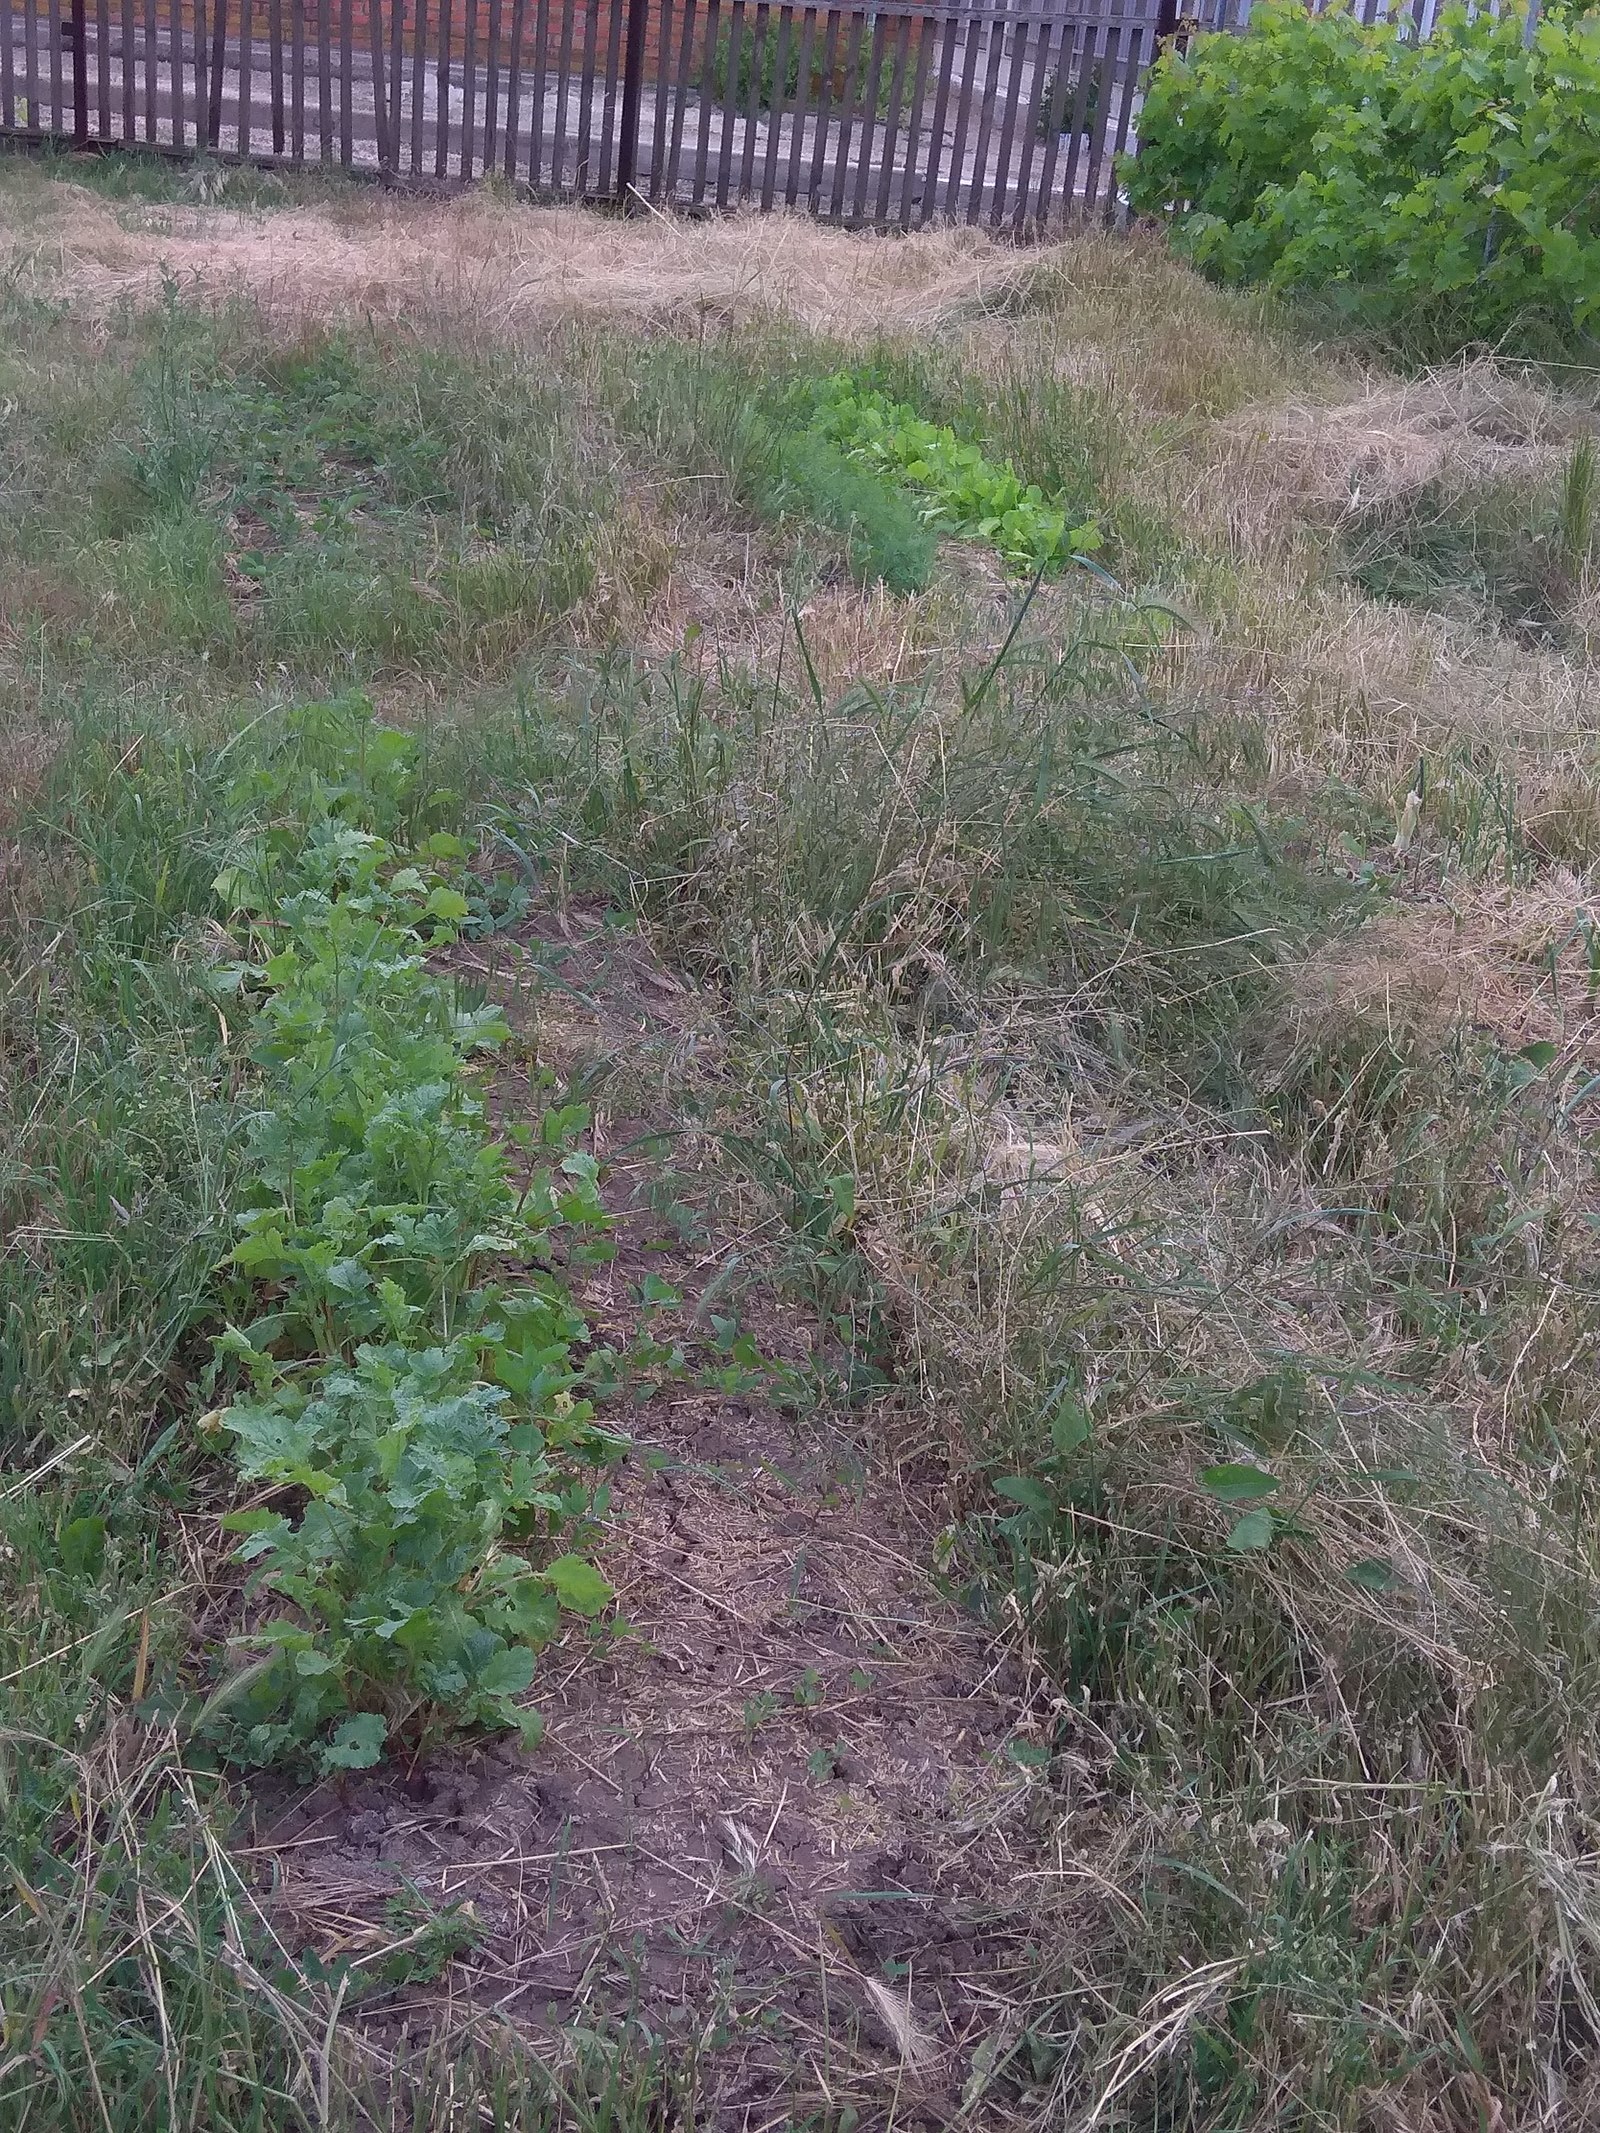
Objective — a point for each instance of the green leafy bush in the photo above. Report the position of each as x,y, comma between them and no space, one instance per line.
411,1421
965,493
1458,177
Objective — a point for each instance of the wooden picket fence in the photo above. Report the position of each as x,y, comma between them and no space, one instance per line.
889,114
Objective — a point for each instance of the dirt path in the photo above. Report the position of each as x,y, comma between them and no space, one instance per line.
779,1812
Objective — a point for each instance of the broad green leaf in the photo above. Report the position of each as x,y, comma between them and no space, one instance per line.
577,1584
357,1743
82,1546
1254,1530
1070,1425
1022,1489
1373,1574
508,1673
1238,1483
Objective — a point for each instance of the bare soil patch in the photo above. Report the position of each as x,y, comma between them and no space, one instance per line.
777,1812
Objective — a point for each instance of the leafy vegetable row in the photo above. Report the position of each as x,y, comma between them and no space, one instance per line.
409,1411
966,494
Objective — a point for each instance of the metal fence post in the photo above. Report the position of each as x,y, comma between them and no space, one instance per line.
632,99
80,73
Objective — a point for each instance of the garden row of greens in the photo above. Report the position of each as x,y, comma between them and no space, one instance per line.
408,1417
407,1412
1450,184
842,452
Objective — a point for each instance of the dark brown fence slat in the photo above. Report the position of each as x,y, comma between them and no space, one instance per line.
129,74
175,59
1086,60
30,65
933,168
659,123
869,117
583,163
325,79
513,135
64,31
150,67
380,102
275,38
605,183
819,136
563,78
491,91
101,75
419,85
971,61
469,87
19,106
702,146
173,71
778,106
69,33
347,70
991,92
1054,117
802,105
630,123
246,53
847,113
1110,55
297,81
441,107
665,187
752,108
1141,52
541,32
1035,115
219,56
891,122
202,79
728,100
914,123
1024,64
397,75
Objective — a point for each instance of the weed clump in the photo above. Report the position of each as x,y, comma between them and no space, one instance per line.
888,542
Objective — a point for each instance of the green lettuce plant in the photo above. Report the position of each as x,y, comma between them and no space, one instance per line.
962,492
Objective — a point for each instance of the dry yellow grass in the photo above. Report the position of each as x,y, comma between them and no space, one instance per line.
1380,1226
1516,961
496,262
